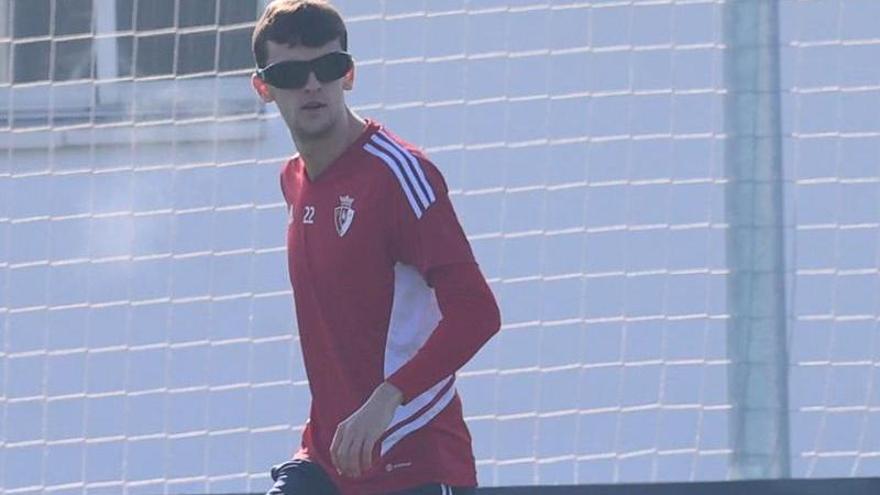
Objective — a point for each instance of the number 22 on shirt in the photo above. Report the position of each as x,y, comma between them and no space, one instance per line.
308,214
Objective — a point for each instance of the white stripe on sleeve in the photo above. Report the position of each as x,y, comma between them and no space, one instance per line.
417,167
395,169
407,168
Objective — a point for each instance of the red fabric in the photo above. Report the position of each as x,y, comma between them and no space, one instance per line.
351,230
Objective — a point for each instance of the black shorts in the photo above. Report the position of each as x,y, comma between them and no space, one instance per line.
300,477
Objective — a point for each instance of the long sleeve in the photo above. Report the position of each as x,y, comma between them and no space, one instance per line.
426,235
470,318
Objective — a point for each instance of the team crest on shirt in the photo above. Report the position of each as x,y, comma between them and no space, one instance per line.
343,215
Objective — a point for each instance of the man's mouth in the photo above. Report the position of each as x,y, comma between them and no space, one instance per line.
313,106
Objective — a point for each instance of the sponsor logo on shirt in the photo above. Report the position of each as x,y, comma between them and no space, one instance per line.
391,467
343,215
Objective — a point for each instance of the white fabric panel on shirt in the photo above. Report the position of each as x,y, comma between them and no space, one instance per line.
415,314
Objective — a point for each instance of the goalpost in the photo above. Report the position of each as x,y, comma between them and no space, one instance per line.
757,331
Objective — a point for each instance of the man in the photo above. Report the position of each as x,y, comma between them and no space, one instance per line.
389,300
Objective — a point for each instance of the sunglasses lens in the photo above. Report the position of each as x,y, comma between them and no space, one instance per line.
331,67
294,74
287,75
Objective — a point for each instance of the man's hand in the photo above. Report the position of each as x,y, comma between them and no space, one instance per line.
352,446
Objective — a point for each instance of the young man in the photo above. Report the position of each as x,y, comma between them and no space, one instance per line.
389,299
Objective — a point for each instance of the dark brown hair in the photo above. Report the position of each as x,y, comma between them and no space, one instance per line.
309,23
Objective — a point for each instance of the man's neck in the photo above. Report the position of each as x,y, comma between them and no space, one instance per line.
319,153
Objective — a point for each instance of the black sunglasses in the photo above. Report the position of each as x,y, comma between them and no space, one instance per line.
294,74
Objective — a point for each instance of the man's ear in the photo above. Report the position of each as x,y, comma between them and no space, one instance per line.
262,89
348,79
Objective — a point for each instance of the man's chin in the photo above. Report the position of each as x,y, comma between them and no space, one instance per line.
314,130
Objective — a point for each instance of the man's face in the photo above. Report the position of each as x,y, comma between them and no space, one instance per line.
313,110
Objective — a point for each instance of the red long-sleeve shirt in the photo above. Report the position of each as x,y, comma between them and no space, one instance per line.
386,288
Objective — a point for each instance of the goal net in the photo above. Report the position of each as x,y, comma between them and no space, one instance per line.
149,340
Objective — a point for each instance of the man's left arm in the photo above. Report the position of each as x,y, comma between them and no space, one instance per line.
429,238
470,317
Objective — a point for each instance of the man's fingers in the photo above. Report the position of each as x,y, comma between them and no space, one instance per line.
347,456
365,457
354,457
